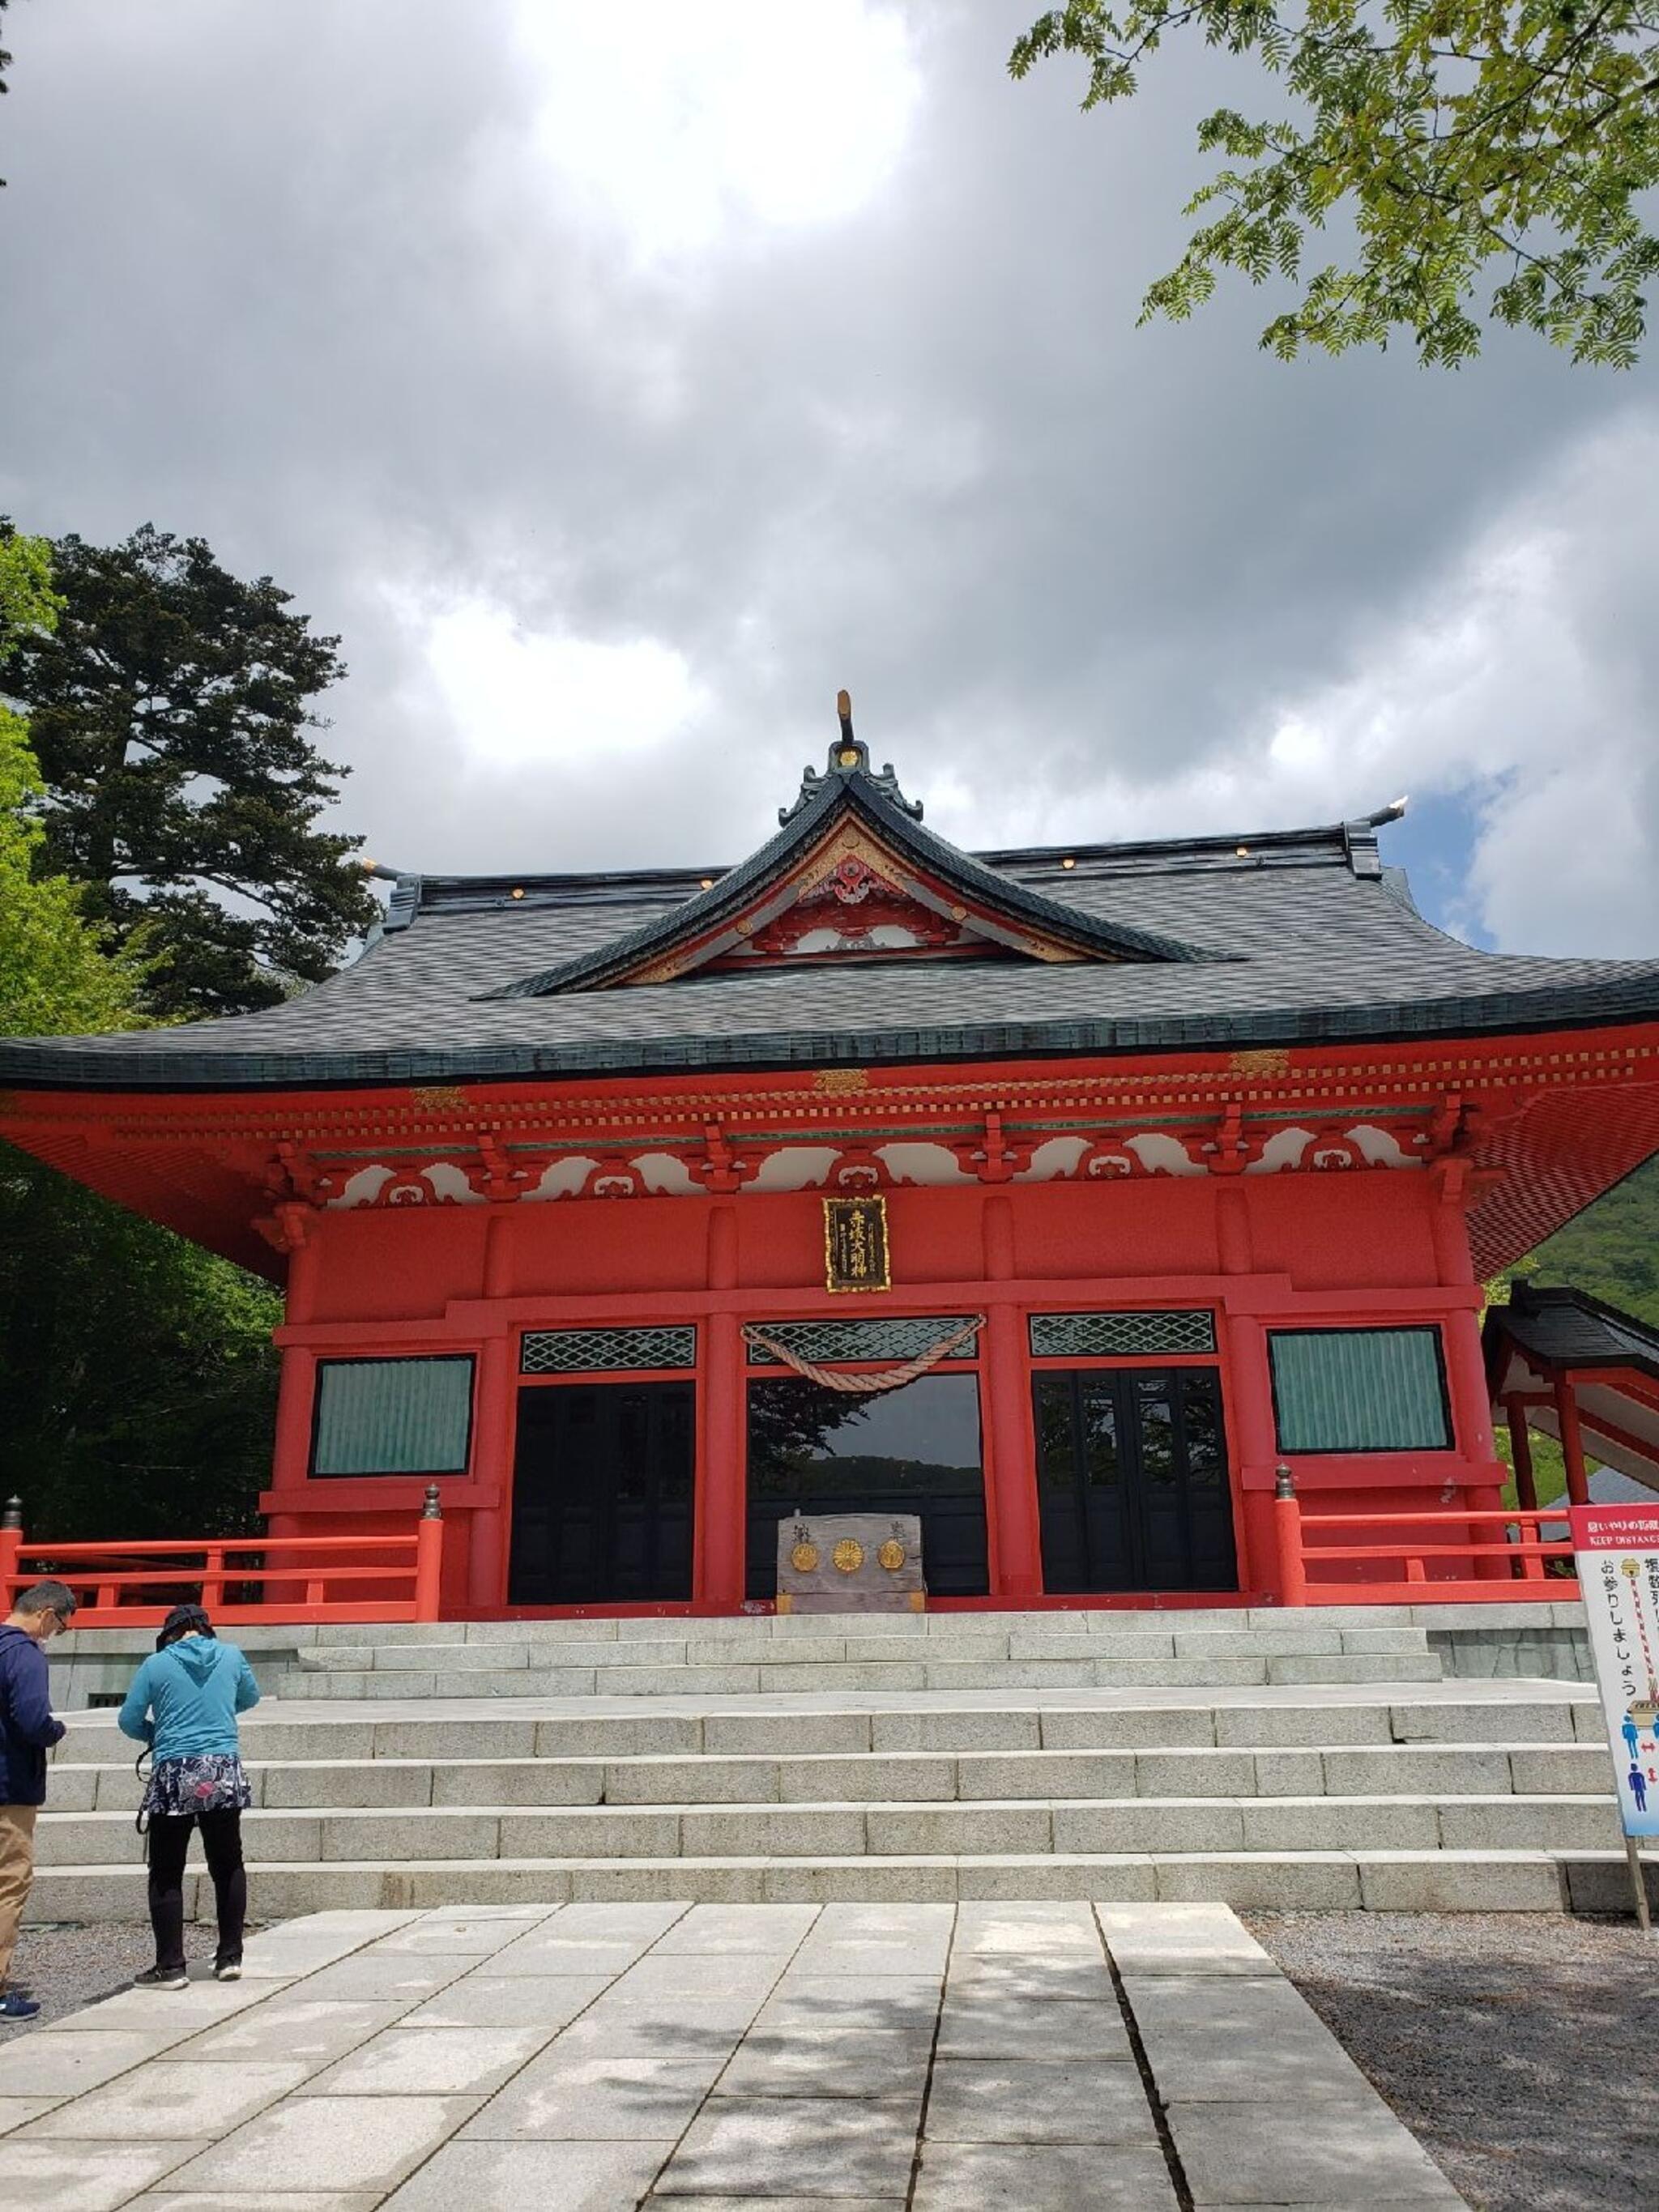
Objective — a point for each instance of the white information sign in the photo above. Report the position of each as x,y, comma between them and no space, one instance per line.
1617,1549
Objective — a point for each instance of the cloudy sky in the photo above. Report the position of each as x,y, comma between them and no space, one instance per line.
620,380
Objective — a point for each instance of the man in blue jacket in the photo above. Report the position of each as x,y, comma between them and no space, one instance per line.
27,1730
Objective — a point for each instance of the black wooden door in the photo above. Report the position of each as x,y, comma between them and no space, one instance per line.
602,1489
1132,1479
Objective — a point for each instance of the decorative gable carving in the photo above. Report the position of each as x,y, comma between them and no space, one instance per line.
851,875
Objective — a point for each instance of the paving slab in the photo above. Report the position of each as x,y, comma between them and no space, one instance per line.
486,2000
714,2056
507,2176
1042,2178
573,2098
986,2025
1257,2153
432,2060
47,2065
1046,1974
889,2001
785,2203
90,2176
18,2111
260,2200
165,2101
735,1929
1221,2039
753,2145
1181,1939
474,1934
816,2062
388,1979
327,2144
977,2100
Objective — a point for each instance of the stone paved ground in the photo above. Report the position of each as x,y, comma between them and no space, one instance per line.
1519,2046
592,2058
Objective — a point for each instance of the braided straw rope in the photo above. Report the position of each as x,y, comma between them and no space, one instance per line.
885,1378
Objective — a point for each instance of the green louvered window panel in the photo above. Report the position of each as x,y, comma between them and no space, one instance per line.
1360,1390
1120,1336
392,1416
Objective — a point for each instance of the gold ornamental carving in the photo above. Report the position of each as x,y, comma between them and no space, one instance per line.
804,1559
891,1556
848,1556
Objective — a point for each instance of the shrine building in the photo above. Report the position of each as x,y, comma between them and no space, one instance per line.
1061,1197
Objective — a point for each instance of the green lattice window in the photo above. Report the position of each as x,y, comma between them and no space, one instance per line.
1360,1390
600,1351
1119,1336
827,1342
392,1416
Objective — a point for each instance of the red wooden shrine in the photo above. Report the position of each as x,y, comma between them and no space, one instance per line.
1214,1139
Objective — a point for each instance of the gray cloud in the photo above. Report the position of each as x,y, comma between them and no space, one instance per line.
301,279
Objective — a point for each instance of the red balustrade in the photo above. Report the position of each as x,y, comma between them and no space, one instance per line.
1446,1556
241,1580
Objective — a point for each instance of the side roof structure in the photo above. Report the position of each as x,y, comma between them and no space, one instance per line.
1286,938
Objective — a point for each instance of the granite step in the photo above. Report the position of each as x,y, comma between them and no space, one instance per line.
852,1828
1379,1880
299,1783
774,1677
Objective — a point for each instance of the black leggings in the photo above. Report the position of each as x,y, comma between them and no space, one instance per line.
169,1845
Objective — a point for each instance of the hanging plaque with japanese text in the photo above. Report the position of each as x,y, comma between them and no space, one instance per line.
855,1244
1617,1554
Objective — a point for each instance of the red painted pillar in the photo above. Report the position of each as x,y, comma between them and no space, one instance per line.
722,1486
1016,1526
494,1410
1012,1456
291,1456
1253,1446
720,1509
492,1467
1572,1442
1526,1485
1465,1378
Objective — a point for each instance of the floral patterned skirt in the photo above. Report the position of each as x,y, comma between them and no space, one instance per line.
210,1782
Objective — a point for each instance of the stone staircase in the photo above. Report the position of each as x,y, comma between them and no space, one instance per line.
668,1656
1310,1762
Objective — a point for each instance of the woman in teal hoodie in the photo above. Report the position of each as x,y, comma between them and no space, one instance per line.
184,1703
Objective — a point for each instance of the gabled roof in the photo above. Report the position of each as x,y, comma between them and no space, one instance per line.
848,814
1218,943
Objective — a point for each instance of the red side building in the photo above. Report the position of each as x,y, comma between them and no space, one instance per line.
1178,1162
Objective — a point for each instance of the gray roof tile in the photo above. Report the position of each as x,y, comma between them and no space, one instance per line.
1300,939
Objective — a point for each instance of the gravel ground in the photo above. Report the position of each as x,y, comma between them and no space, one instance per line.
1519,2048
69,1967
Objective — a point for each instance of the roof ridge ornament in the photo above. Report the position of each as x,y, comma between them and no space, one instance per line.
849,756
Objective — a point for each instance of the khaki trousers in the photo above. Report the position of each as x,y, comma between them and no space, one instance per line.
16,1872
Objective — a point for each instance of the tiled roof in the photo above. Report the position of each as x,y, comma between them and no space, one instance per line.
1559,1329
1293,937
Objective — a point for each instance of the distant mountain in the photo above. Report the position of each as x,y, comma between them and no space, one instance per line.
1611,1249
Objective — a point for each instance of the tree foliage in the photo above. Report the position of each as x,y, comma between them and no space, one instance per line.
55,975
1489,151
137,1375
170,709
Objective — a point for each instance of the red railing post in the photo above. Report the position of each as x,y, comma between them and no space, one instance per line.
213,1579
11,1543
428,1556
1287,1536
